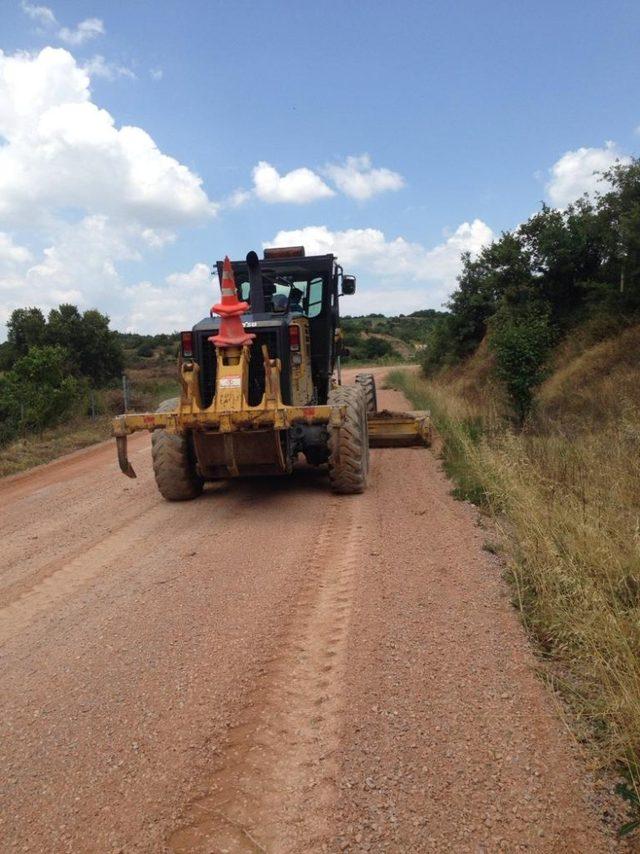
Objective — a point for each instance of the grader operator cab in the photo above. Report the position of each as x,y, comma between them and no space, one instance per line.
261,384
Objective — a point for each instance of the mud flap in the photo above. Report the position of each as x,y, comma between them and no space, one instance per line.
123,459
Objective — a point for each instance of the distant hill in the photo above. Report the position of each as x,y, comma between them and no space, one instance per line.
375,337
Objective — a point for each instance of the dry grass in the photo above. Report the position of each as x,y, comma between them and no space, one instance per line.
36,449
566,494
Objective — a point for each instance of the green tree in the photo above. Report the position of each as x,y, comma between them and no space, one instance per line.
520,341
26,328
438,351
95,350
501,269
37,391
619,209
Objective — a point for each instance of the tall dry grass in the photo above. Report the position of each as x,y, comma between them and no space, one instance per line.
566,495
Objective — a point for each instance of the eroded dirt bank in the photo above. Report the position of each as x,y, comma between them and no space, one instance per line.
269,668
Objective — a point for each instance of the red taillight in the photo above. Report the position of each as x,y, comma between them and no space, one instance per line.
294,337
186,342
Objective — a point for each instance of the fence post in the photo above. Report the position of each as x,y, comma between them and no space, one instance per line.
125,392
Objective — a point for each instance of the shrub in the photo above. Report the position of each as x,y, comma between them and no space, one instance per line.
145,349
376,348
521,342
37,391
437,349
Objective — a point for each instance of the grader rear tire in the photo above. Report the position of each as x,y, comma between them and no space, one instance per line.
368,383
174,463
349,446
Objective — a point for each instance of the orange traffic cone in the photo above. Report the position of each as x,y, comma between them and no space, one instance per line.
230,309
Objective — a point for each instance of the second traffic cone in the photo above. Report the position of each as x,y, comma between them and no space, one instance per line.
230,309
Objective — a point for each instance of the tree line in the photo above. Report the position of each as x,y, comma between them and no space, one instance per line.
48,365
533,285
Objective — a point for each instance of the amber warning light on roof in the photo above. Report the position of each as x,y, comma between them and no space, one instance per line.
285,252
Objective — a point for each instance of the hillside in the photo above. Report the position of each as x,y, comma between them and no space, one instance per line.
377,339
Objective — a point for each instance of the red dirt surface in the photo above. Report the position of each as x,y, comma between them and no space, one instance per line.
269,668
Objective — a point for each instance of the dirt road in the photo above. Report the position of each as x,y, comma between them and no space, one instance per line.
268,668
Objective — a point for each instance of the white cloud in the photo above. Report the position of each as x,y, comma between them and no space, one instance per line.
172,305
64,151
80,265
403,276
156,73
90,195
42,14
97,66
238,198
12,255
83,32
575,173
296,187
357,178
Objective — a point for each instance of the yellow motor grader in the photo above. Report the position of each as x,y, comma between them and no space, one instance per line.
261,384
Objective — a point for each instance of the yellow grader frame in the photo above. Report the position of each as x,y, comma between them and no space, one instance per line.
232,438
241,433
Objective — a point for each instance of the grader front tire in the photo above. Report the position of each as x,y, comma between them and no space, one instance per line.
174,464
349,445
368,385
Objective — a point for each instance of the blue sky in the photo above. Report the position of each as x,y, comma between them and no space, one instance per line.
469,114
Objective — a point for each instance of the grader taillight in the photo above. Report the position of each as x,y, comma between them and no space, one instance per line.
186,344
294,337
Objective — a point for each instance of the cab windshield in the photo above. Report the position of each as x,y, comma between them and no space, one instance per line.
289,294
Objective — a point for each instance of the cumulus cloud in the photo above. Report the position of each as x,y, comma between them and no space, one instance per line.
97,66
357,178
64,151
296,187
171,305
80,265
90,195
575,173
400,275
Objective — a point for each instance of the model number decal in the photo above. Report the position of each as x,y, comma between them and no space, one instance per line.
230,382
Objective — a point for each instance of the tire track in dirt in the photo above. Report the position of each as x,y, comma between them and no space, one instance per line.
65,575
22,587
276,777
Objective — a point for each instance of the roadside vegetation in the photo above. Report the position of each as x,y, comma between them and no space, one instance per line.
61,381
532,381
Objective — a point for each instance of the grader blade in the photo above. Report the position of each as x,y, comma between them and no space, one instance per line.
399,429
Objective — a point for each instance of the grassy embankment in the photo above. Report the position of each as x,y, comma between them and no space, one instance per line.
565,496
